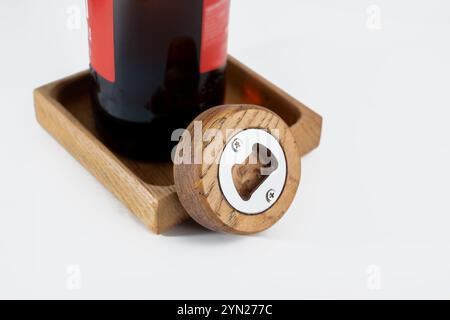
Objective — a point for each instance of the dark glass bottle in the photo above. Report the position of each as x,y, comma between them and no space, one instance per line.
155,65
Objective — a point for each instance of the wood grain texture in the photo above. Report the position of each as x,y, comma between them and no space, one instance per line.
247,87
198,184
63,108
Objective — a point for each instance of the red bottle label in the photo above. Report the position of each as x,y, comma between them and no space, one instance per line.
213,54
214,34
101,37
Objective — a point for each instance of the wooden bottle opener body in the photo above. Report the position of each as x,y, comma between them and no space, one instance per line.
64,109
249,172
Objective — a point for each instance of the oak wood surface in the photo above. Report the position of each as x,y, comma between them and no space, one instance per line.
198,184
63,108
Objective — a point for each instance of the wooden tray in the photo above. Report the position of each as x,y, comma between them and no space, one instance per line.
63,108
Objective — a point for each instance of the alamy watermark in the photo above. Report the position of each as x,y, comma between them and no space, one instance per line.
205,147
374,278
73,278
74,17
374,17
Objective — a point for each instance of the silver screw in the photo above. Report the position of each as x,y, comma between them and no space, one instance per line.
270,196
236,145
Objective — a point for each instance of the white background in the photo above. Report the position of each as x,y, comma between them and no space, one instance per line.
372,217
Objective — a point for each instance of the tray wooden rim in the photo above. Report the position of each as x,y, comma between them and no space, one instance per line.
156,206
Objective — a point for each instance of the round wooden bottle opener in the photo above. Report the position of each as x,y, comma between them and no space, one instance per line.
237,169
